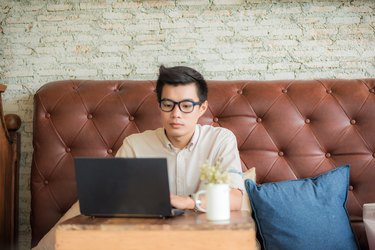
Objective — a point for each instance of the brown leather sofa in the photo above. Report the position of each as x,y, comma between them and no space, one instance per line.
286,129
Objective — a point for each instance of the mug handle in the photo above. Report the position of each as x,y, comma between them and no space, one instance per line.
198,202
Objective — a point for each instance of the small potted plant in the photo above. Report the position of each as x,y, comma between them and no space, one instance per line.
217,191
214,174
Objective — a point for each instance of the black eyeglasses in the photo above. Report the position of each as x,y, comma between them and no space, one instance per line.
186,106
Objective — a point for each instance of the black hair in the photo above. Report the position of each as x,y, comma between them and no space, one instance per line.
181,75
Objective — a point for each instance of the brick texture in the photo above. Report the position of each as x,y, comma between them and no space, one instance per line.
42,41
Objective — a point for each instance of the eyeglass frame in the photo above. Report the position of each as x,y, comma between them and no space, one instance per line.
178,104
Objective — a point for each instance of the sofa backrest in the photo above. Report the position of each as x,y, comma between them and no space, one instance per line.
286,129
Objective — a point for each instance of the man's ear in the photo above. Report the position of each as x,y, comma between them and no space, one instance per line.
203,107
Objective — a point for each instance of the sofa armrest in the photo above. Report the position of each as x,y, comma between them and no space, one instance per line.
9,165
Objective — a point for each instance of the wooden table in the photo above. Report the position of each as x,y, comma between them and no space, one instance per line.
189,231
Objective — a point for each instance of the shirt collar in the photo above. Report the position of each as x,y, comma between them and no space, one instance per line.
164,139
191,145
194,139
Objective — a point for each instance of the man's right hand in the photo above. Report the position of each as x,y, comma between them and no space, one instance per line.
182,202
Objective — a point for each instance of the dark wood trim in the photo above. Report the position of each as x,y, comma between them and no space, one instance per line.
9,165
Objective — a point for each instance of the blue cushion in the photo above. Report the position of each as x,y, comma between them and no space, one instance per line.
304,214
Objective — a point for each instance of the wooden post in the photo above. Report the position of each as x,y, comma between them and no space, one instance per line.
9,164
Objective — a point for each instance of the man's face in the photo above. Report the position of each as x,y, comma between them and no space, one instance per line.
178,125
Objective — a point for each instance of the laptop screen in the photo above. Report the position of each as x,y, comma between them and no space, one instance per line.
123,186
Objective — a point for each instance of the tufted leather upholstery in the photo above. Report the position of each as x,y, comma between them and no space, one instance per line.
286,129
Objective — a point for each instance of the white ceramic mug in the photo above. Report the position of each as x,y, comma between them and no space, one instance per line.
369,221
217,202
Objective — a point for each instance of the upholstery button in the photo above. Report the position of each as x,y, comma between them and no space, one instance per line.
372,90
68,150
216,119
75,87
89,116
307,121
284,90
116,90
48,115
131,118
351,188
373,155
239,92
328,155
353,121
45,182
329,91
109,151
281,153
259,119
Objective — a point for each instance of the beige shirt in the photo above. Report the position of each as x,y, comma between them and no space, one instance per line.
208,144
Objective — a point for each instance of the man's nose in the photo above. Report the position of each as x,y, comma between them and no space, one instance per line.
176,112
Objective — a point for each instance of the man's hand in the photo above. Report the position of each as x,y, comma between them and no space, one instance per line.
235,199
182,202
185,202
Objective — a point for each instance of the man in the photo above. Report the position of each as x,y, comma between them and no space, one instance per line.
182,97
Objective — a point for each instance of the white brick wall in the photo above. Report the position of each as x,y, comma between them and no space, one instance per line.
42,41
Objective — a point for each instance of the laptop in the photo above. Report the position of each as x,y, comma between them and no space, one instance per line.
123,187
